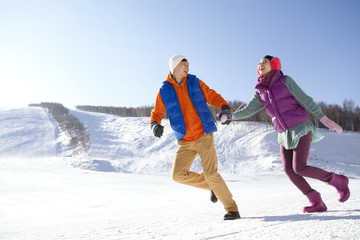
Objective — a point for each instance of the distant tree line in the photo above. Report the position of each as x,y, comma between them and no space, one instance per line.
347,115
80,139
144,111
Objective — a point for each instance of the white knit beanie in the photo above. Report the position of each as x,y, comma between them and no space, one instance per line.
174,61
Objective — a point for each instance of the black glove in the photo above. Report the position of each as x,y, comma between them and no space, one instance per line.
157,129
225,110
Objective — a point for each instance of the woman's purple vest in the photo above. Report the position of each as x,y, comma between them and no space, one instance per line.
281,106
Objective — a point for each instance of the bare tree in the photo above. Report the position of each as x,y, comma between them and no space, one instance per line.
79,138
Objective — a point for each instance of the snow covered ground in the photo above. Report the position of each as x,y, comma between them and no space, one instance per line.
123,188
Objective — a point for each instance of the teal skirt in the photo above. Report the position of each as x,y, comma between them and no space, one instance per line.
290,138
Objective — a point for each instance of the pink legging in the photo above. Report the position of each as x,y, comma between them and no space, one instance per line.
296,168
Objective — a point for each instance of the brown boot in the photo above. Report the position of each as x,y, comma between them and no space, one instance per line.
213,197
232,215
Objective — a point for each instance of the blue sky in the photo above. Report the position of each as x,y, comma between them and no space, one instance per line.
115,53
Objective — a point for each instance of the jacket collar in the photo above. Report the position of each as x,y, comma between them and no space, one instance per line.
171,80
270,79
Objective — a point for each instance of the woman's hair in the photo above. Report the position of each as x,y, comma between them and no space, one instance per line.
268,57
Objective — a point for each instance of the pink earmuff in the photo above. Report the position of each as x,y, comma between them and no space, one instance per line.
275,63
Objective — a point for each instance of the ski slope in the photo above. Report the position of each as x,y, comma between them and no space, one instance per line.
123,188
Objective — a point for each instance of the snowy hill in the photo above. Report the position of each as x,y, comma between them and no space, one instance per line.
27,132
128,145
123,188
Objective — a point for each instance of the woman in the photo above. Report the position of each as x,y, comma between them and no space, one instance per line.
288,106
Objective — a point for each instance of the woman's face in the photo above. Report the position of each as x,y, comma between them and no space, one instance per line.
264,67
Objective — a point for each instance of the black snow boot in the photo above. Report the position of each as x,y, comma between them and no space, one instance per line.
213,197
232,215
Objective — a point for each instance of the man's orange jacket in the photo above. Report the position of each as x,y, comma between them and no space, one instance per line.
193,125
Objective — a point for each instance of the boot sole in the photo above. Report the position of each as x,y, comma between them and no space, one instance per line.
313,211
231,218
226,219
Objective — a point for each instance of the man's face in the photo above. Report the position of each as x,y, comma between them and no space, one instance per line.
181,70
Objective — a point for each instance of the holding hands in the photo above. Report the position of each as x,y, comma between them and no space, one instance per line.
225,116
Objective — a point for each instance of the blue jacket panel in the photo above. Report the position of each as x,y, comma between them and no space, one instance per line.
173,109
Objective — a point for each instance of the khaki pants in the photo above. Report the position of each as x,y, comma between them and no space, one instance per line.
210,179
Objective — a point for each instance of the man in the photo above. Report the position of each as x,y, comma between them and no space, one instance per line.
184,98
